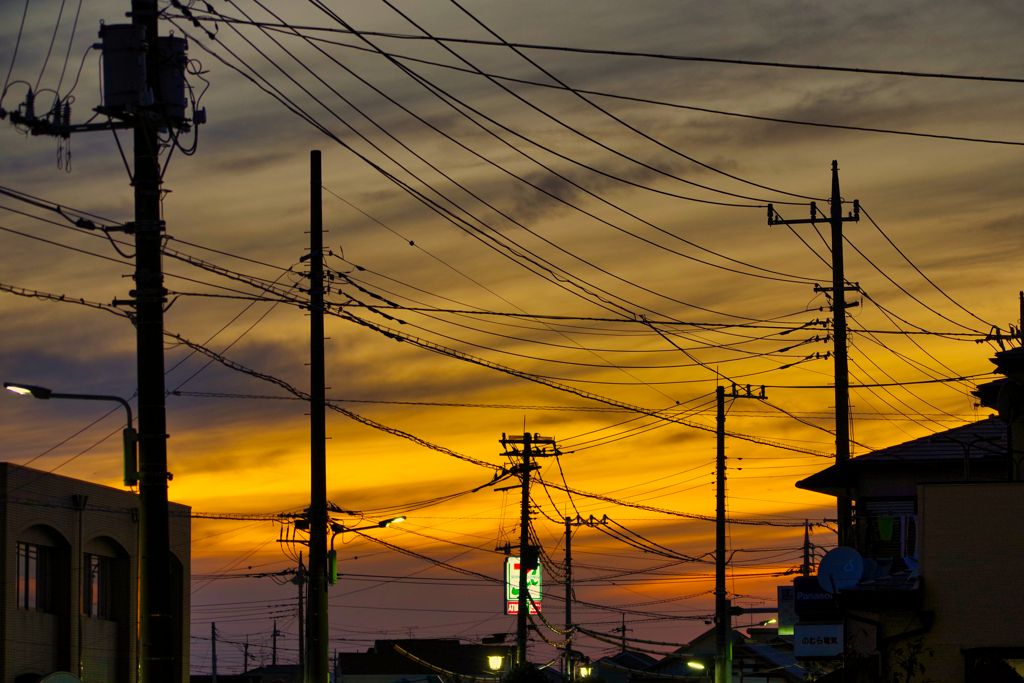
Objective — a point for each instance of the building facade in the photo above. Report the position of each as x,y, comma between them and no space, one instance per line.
70,579
935,523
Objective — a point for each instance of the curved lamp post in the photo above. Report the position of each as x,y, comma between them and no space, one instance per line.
131,467
332,556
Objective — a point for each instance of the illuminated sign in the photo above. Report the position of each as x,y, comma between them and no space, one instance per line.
512,586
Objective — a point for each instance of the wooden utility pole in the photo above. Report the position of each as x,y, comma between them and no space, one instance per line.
213,645
317,625
844,507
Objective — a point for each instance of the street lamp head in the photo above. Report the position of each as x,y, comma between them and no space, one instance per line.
388,522
494,662
28,390
695,665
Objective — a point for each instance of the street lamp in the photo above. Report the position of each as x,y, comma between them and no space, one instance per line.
341,528
332,556
131,468
494,662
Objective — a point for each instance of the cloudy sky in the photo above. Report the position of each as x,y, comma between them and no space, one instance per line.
611,240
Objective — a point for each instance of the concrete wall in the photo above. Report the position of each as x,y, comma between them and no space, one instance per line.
38,507
972,562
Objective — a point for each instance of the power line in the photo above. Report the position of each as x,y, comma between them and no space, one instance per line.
624,53
642,100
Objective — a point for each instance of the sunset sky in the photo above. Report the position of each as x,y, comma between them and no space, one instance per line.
467,178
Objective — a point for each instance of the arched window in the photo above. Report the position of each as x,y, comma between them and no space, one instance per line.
40,561
104,570
33,576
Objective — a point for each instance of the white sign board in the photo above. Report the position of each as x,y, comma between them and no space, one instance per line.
512,586
817,641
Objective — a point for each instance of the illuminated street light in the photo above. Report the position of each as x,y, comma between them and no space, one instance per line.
494,662
585,671
131,474
695,665
332,555
341,528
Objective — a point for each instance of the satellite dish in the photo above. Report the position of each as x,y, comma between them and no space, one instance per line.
841,567
60,677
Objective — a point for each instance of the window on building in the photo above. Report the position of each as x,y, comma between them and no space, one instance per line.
33,562
96,586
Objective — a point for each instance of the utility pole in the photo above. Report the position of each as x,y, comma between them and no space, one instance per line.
300,579
723,606
317,631
245,655
570,670
844,507
805,568
148,101
569,673
622,629
158,663
529,555
273,652
723,620
213,641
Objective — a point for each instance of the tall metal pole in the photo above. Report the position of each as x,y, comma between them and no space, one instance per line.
723,620
213,645
525,552
569,673
159,654
319,654
842,372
